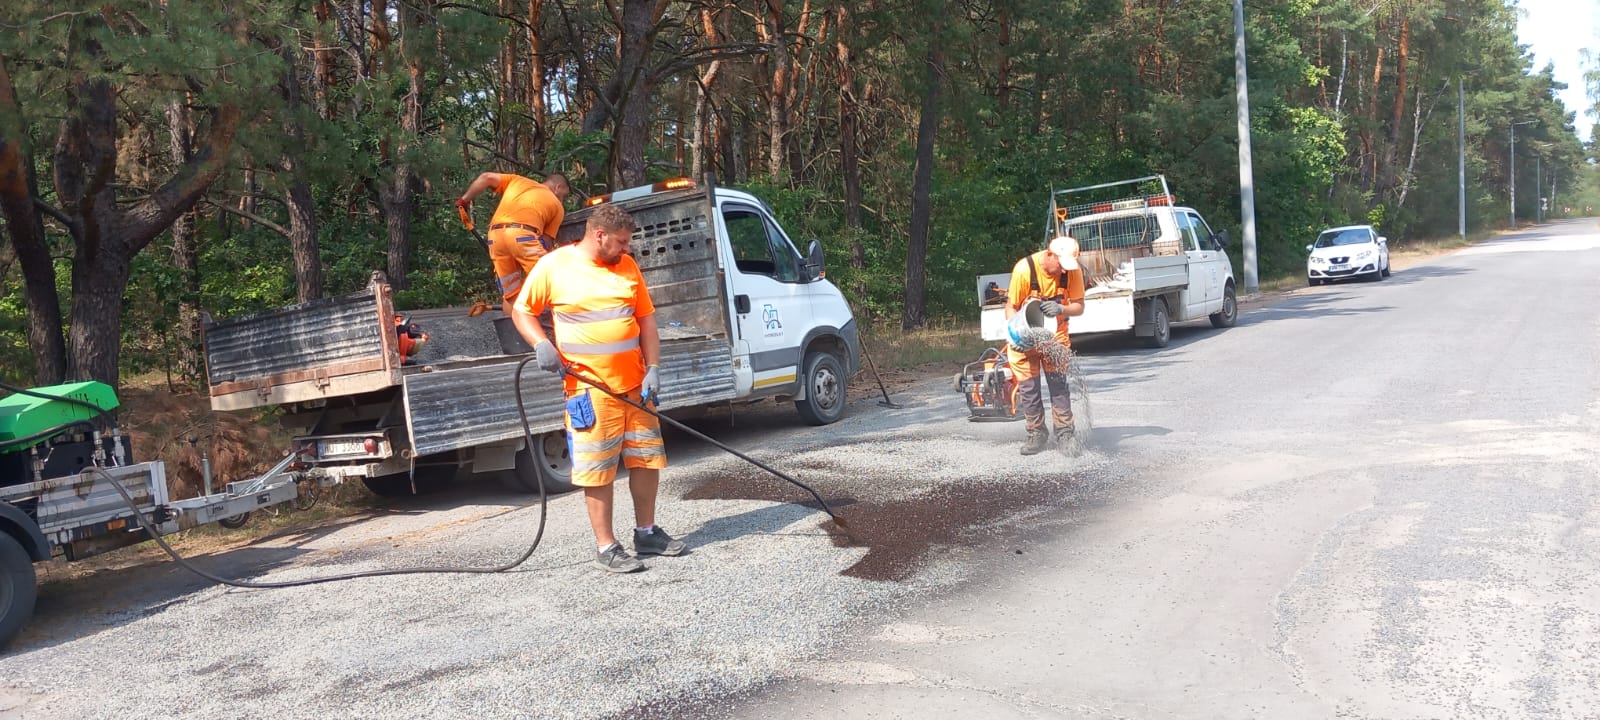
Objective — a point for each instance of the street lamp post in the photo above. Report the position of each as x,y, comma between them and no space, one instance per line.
1514,170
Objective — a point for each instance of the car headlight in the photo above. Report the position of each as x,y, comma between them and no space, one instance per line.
1319,261
1364,255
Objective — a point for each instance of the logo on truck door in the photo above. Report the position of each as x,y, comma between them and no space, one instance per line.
772,325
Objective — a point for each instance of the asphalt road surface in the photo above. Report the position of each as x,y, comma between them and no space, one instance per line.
1367,500
1372,500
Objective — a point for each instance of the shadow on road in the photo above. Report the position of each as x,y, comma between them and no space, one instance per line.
1111,437
78,607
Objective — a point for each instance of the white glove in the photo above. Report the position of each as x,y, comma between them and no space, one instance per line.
650,391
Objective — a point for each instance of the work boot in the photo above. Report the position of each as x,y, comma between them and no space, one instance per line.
656,542
1067,442
616,560
1036,443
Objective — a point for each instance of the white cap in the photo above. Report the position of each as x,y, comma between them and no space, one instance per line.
1066,251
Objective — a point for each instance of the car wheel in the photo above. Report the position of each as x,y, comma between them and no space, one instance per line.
824,381
1388,267
1377,275
1229,314
1163,322
1313,282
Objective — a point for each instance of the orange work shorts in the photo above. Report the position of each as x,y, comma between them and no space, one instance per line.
514,252
619,431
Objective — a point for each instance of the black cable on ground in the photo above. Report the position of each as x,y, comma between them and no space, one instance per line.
150,528
838,519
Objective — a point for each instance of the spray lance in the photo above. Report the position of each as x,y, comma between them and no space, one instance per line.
478,307
566,369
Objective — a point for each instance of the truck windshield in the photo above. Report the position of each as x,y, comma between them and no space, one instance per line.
1115,232
1334,238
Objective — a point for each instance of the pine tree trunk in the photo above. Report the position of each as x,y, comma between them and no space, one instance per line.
539,138
782,67
921,187
25,226
1392,147
186,256
303,241
298,199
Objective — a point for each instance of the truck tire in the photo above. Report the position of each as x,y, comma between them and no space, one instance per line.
1163,323
430,478
1229,314
824,383
18,587
547,463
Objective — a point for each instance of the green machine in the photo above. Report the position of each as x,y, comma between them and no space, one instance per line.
42,438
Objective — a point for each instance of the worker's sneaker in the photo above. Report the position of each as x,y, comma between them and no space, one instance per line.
656,541
1037,441
615,559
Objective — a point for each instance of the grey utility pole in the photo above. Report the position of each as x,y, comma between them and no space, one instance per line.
1247,183
1461,163
1538,189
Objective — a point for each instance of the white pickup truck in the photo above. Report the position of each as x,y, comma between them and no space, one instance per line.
1147,262
742,315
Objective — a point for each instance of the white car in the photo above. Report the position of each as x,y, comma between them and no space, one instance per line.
1346,252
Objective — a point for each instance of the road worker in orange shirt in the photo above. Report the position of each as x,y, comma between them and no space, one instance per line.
1053,277
524,225
605,329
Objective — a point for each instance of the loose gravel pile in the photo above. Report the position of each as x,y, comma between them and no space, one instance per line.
453,336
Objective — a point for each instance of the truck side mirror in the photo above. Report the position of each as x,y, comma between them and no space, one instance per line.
815,268
1220,240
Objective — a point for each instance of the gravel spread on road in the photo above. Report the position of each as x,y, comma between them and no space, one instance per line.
764,587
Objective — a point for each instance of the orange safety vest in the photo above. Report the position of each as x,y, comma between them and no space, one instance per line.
596,309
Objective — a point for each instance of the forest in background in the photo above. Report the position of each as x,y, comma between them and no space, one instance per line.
160,159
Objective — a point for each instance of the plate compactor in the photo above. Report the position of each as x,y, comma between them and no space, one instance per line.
990,388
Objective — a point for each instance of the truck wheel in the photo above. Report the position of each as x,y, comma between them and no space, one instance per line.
18,588
1163,322
547,463
234,522
1229,314
393,485
824,383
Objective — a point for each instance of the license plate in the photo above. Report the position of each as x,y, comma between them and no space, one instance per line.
1338,267
343,447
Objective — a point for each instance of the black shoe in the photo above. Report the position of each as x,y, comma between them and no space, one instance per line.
657,542
1036,443
617,560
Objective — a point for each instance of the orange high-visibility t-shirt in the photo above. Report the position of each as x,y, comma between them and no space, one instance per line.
526,202
1065,289
596,308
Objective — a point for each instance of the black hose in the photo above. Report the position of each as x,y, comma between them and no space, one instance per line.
150,529
707,438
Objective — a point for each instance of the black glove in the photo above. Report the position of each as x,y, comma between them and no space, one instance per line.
546,356
1051,308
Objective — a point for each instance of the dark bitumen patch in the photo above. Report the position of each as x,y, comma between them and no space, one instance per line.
900,532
